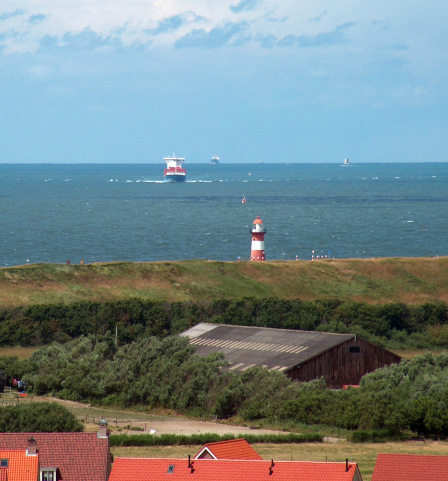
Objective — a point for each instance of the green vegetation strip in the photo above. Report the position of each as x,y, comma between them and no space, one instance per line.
393,325
197,439
377,436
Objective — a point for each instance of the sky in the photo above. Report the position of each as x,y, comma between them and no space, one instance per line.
132,81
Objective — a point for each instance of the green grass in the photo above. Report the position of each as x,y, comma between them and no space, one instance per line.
408,280
20,352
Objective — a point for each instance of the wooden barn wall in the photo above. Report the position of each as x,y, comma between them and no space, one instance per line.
340,367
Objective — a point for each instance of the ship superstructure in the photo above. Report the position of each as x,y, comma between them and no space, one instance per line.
174,172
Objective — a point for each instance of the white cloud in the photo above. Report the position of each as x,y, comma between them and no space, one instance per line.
141,22
354,33
40,72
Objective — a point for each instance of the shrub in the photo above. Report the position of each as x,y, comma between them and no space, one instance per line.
38,417
198,439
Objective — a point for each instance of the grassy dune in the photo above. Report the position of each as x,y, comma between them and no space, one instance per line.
408,280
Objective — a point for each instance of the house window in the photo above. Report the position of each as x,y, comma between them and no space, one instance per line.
4,463
48,474
171,468
354,349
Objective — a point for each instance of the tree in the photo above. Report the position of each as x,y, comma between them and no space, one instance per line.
38,417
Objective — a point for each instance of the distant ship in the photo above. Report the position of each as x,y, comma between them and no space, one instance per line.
174,171
346,161
215,160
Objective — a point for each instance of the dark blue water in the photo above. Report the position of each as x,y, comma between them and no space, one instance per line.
52,213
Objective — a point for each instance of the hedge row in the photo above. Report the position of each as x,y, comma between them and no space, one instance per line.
376,436
421,326
200,439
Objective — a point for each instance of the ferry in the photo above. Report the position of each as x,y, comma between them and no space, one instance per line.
346,161
215,160
174,171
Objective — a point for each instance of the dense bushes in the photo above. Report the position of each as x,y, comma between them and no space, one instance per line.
147,366
150,371
153,372
11,367
42,324
393,325
198,439
38,417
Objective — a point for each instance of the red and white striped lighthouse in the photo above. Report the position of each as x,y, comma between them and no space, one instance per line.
258,231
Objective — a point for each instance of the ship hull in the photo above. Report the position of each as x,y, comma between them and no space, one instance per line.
176,178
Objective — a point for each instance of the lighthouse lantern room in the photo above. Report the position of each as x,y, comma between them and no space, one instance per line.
258,231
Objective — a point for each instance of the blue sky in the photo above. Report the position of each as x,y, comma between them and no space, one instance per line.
130,81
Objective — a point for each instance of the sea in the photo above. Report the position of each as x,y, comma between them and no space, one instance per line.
59,213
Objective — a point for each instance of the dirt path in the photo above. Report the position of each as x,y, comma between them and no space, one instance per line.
130,422
179,426
165,423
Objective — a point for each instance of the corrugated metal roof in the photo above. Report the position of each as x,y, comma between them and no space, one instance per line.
275,349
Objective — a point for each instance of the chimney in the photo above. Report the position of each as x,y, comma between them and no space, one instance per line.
190,464
102,430
31,449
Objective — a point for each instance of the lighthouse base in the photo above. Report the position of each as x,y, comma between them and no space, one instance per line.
257,256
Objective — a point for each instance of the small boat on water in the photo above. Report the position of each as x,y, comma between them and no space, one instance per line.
215,160
346,161
174,172
244,200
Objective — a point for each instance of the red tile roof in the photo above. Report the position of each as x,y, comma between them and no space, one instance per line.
410,467
78,456
144,469
232,449
20,466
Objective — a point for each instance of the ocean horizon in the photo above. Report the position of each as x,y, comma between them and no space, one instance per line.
227,163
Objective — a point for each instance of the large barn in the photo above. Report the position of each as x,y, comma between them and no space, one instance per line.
342,359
